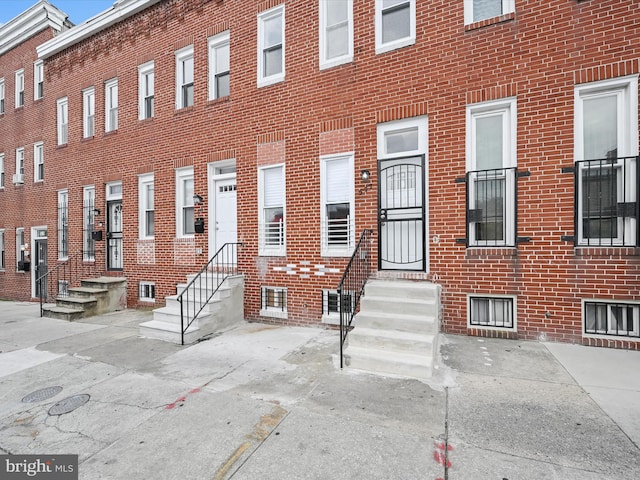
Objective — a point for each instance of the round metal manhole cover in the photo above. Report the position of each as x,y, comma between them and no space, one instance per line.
42,394
69,404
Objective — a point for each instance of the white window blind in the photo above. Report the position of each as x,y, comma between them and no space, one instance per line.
338,181
273,187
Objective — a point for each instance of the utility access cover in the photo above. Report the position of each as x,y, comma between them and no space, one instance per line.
69,404
42,394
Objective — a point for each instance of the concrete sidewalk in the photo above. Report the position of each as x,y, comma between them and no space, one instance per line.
267,402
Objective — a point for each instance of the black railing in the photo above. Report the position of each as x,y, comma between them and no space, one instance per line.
351,285
607,210
67,274
195,296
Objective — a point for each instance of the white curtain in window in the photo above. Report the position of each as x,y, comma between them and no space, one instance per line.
337,181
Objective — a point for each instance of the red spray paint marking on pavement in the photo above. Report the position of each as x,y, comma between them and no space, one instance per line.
182,399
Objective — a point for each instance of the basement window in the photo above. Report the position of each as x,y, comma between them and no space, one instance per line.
273,302
331,306
147,292
611,318
491,312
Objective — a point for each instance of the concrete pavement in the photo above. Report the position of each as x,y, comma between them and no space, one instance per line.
267,402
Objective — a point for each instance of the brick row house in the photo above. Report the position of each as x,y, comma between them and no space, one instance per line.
491,146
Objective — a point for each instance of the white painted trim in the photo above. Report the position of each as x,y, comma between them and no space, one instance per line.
33,238
401,42
182,55
143,71
182,174
346,251
514,299
508,6
38,154
322,26
214,43
144,181
263,81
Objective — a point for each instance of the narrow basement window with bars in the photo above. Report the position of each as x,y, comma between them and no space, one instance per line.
497,312
147,292
273,302
331,305
612,318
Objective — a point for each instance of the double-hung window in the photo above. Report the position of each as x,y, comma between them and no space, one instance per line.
38,80
146,89
336,32
111,105
184,77
19,84
477,10
184,202
38,162
1,170
63,121
145,203
20,246
271,205
2,260
337,200
219,66
491,173
19,176
1,96
63,224
88,222
88,112
607,176
271,46
395,24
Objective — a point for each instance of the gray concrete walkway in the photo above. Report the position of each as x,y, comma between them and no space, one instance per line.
267,402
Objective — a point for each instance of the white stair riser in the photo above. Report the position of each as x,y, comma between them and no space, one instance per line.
195,292
387,289
388,305
172,303
169,317
375,365
424,325
420,346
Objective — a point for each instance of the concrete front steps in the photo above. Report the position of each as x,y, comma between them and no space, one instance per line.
95,296
396,330
225,309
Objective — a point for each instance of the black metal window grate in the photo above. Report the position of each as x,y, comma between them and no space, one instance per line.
491,312
63,227
607,209
612,318
273,299
331,303
147,291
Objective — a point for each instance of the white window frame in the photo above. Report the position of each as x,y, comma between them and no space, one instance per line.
626,91
38,160
398,126
63,200
215,43
88,112
3,260
325,61
328,250
1,171
20,163
508,6
146,90
265,248
182,56
38,79
263,17
610,333
62,107
147,292
20,246
183,176
507,109
145,182
111,105
382,46
88,223
492,323
2,97
274,311
19,88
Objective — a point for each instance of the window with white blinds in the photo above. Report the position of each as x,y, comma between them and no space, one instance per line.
337,226
272,224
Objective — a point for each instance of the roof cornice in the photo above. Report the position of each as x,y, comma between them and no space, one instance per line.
121,10
40,16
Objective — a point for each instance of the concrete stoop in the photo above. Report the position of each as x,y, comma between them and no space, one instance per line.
95,296
226,308
396,330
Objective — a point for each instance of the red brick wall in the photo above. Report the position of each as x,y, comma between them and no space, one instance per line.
536,55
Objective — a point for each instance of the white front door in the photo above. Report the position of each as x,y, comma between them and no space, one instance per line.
225,221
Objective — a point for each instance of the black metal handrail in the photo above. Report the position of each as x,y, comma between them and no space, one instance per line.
195,296
352,284
66,274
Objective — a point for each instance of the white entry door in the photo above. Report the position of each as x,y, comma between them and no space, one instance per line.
225,222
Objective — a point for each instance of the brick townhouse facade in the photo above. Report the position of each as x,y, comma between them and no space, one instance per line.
490,145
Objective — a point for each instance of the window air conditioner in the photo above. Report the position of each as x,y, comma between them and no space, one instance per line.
18,178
